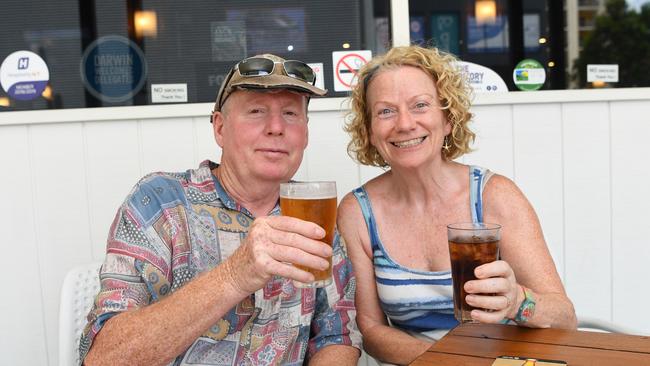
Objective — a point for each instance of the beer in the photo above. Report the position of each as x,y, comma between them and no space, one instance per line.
469,247
315,202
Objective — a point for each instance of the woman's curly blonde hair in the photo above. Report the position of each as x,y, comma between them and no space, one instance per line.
453,92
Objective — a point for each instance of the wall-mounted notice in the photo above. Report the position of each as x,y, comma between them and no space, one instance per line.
24,75
529,74
606,73
346,67
482,79
113,69
168,93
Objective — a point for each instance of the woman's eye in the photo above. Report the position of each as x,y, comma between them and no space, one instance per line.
421,105
385,111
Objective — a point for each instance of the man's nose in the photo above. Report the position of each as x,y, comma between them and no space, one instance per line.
275,124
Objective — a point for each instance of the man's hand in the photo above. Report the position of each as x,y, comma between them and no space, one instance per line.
273,245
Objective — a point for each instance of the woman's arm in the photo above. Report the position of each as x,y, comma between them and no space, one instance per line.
526,261
379,340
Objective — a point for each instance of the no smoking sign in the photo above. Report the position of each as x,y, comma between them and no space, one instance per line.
346,67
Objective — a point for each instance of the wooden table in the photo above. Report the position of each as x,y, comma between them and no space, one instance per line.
480,344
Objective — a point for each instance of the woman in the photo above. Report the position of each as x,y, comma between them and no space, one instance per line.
410,111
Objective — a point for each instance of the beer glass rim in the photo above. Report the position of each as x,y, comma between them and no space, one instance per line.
308,182
310,189
471,226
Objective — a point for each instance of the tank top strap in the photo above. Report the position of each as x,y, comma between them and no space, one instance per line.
478,178
362,197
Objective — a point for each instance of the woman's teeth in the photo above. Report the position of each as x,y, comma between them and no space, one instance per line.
408,143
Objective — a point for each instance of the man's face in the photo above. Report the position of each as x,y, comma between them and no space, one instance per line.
263,134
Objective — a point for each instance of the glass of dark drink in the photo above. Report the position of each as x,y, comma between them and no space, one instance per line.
470,245
315,202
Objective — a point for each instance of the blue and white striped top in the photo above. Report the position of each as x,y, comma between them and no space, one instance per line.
417,301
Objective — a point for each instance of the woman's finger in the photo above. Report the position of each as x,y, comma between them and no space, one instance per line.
495,285
496,303
494,269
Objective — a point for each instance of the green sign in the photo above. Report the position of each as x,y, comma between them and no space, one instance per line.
529,74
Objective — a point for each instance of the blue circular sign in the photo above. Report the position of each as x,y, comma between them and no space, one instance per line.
113,69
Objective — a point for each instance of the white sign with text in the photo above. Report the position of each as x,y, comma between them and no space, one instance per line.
168,93
606,73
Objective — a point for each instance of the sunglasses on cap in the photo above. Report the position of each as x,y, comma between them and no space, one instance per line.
261,66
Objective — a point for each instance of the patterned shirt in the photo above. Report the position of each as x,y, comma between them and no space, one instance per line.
172,227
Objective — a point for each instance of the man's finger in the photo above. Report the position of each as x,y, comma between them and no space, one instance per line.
295,240
293,255
294,225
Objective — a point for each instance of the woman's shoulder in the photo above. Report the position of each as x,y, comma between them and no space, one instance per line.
502,195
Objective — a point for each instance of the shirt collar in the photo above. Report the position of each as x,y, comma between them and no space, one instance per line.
229,202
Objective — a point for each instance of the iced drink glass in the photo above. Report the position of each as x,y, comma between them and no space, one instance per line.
470,245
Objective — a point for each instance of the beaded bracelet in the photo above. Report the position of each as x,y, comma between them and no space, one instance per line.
527,308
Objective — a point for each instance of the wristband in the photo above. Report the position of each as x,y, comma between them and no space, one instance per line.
527,308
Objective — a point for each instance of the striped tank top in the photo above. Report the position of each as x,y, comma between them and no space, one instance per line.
419,302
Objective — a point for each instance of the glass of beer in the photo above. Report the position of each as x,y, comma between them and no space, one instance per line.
470,245
315,202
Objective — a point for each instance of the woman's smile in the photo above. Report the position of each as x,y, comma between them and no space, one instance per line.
409,143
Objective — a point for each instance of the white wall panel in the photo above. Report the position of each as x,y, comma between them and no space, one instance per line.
493,145
366,173
205,146
630,218
22,327
537,136
588,277
62,226
113,167
326,157
167,145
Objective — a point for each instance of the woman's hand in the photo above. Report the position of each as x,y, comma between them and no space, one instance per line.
496,290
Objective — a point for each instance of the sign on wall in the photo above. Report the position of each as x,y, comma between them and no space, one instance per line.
346,67
113,69
604,73
529,74
481,78
24,75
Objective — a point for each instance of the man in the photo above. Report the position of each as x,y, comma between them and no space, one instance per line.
198,266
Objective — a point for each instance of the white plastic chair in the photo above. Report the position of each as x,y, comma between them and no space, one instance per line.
599,325
80,286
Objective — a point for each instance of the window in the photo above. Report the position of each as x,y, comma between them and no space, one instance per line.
99,53
609,46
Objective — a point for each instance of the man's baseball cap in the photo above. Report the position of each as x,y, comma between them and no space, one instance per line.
268,72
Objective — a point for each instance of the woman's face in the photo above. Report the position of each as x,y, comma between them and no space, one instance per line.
407,125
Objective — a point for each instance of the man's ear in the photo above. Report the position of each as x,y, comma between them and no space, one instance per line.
217,127
306,134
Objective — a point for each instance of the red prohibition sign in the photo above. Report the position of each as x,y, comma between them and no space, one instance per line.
344,61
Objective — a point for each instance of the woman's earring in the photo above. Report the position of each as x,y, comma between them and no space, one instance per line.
445,144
